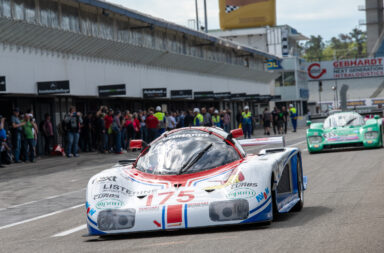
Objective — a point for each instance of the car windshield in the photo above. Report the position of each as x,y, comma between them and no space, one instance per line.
186,152
344,119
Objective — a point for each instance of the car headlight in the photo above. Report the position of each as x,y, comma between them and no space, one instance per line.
237,209
371,135
315,139
116,219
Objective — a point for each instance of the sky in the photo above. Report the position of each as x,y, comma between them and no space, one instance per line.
327,18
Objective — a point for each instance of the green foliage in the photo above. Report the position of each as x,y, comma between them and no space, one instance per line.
344,46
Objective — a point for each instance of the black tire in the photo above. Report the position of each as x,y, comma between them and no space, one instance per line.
299,206
275,212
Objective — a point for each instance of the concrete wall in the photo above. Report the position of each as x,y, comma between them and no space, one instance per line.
24,67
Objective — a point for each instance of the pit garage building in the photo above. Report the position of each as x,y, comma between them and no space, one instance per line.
89,53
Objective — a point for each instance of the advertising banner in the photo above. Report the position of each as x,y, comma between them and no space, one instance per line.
2,83
204,95
112,90
187,94
236,14
53,87
155,93
345,69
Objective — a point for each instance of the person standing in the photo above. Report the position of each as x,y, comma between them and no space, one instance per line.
227,120
16,131
216,119
29,130
285,119
152,126
3,137
267,117
73,121
116,128
100,130
293,115
143,128
162,121
246,122
108,120
275,119
48,134
198,119
207,118
188,121
171,122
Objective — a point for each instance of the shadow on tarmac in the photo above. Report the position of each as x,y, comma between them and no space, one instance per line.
293,219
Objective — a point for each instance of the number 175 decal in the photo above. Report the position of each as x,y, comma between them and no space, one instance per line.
162,198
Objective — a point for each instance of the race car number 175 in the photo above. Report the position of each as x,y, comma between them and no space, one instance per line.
163,197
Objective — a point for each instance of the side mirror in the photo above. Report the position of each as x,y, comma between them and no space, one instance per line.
377,117
236,133
137,144
309,123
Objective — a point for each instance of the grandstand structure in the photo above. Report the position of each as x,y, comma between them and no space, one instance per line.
55,53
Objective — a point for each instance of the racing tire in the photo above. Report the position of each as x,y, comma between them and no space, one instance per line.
299,206
275,212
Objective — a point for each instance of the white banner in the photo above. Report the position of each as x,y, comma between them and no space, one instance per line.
345,69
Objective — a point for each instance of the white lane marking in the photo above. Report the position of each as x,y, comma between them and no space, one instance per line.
47,198
40,217
297,144
70,231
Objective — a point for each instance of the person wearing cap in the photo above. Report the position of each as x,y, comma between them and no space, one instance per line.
16,131
161,118
246,122
216,119
293,115
198,119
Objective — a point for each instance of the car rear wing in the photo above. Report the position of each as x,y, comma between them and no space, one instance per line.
262,141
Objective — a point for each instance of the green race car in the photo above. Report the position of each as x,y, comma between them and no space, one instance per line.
345,130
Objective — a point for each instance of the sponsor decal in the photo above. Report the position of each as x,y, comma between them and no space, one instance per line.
148,209
126,191
263,195
104,179
243,184
234,178
195,205
315,71
106,195
241,193
106,204
343,138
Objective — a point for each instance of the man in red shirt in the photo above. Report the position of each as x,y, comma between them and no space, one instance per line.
152,124
108,119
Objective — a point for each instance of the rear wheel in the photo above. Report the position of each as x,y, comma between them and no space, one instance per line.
275,212
300,191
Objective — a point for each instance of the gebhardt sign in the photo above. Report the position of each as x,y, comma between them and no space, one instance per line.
345,69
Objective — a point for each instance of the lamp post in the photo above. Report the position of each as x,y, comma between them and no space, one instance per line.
197,15
205,16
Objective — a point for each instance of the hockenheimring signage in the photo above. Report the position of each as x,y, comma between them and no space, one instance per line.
2,83
53,87
112,90
155,93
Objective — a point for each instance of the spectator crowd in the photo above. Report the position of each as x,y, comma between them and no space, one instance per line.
110,131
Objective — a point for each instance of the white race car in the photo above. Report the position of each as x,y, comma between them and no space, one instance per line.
195,177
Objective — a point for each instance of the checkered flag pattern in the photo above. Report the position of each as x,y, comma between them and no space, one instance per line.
230,8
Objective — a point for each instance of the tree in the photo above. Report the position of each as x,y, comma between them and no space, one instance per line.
314,48
359,39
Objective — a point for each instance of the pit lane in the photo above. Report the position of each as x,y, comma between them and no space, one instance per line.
342,212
